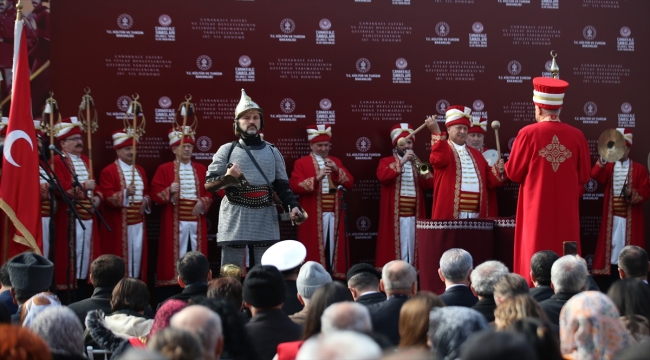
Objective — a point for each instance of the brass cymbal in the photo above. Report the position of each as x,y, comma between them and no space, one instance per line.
611,145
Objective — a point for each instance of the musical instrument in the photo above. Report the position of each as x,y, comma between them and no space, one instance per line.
611,145
496,125
231,270
423,167
47,122
186,109
135,129
89,125
491,156
402,141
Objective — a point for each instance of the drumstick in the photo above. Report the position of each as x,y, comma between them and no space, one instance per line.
496,125
402,141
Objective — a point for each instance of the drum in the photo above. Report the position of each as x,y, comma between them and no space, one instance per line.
492,156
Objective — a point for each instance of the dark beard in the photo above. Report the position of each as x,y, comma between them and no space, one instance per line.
400,153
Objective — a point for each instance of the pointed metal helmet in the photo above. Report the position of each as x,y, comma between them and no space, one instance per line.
245,104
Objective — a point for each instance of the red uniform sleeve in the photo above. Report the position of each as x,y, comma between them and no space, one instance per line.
388,170
520,156
584,163
110,184
160,193
600,173
641,185
343,177
303,180
441,154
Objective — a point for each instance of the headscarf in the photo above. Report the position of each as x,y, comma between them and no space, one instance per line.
450,326
590,328
164,315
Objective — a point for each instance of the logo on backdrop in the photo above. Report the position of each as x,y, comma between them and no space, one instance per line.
625,119
165,102
441,107
626,108
514,67
477,28
548,65
363,223
442,29
125,21
591,185
401,63
363,144
589,32
287,26
477,38
244,61
287,105
590,108
478,105
324,24
203,143
325,104
625,31
123,102
363,65
510,142
204,62
164,20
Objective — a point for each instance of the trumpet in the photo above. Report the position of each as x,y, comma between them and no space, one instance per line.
423,167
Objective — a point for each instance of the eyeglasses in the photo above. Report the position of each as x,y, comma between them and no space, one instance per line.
74,139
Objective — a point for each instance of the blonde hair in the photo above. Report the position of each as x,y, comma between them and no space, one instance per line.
517,308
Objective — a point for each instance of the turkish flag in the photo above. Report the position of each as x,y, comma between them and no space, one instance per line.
19,191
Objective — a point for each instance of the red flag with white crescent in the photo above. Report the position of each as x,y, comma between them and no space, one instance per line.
19,191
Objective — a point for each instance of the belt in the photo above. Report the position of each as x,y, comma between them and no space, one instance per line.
620,207
133,215
185,208
327,202
406,206
83,213
469,202
252,197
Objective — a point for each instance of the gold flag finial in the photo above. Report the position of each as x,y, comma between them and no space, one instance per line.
554,68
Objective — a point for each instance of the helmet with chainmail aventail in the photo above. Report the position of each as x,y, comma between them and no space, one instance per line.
246,104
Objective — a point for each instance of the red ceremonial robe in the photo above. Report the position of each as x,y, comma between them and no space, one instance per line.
637,180
113,184
169,223
448,177
389,173
61,256
310,233
551,162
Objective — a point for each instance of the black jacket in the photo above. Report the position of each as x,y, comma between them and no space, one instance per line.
190,291
372,298
553,305
541,292
385,317
269,328
459,295
486,307
100,300
291,304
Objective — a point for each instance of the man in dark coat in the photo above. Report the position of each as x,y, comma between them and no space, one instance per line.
363,282
193,276
455,268
264,294
484,277
105,272
568,277
540,274
399,282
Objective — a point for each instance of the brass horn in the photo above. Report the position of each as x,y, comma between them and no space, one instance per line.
423,167
611,145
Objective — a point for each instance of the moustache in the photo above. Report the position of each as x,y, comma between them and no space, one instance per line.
79,146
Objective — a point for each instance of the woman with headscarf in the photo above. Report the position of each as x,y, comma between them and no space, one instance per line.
450,326
590,328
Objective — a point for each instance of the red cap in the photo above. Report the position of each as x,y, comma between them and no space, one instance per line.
399,131
478,127
318,133
549,92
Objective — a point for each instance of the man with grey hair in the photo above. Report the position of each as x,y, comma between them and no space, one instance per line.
483,278
204,323
399,282
455,268
633,263
312,275
346,315
509,286
568,277
339,345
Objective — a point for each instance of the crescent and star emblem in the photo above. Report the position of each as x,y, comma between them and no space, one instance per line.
9,142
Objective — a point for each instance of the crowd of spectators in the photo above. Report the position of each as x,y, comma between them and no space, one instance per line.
485,312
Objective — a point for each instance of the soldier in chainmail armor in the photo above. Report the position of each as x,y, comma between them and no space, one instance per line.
248,217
